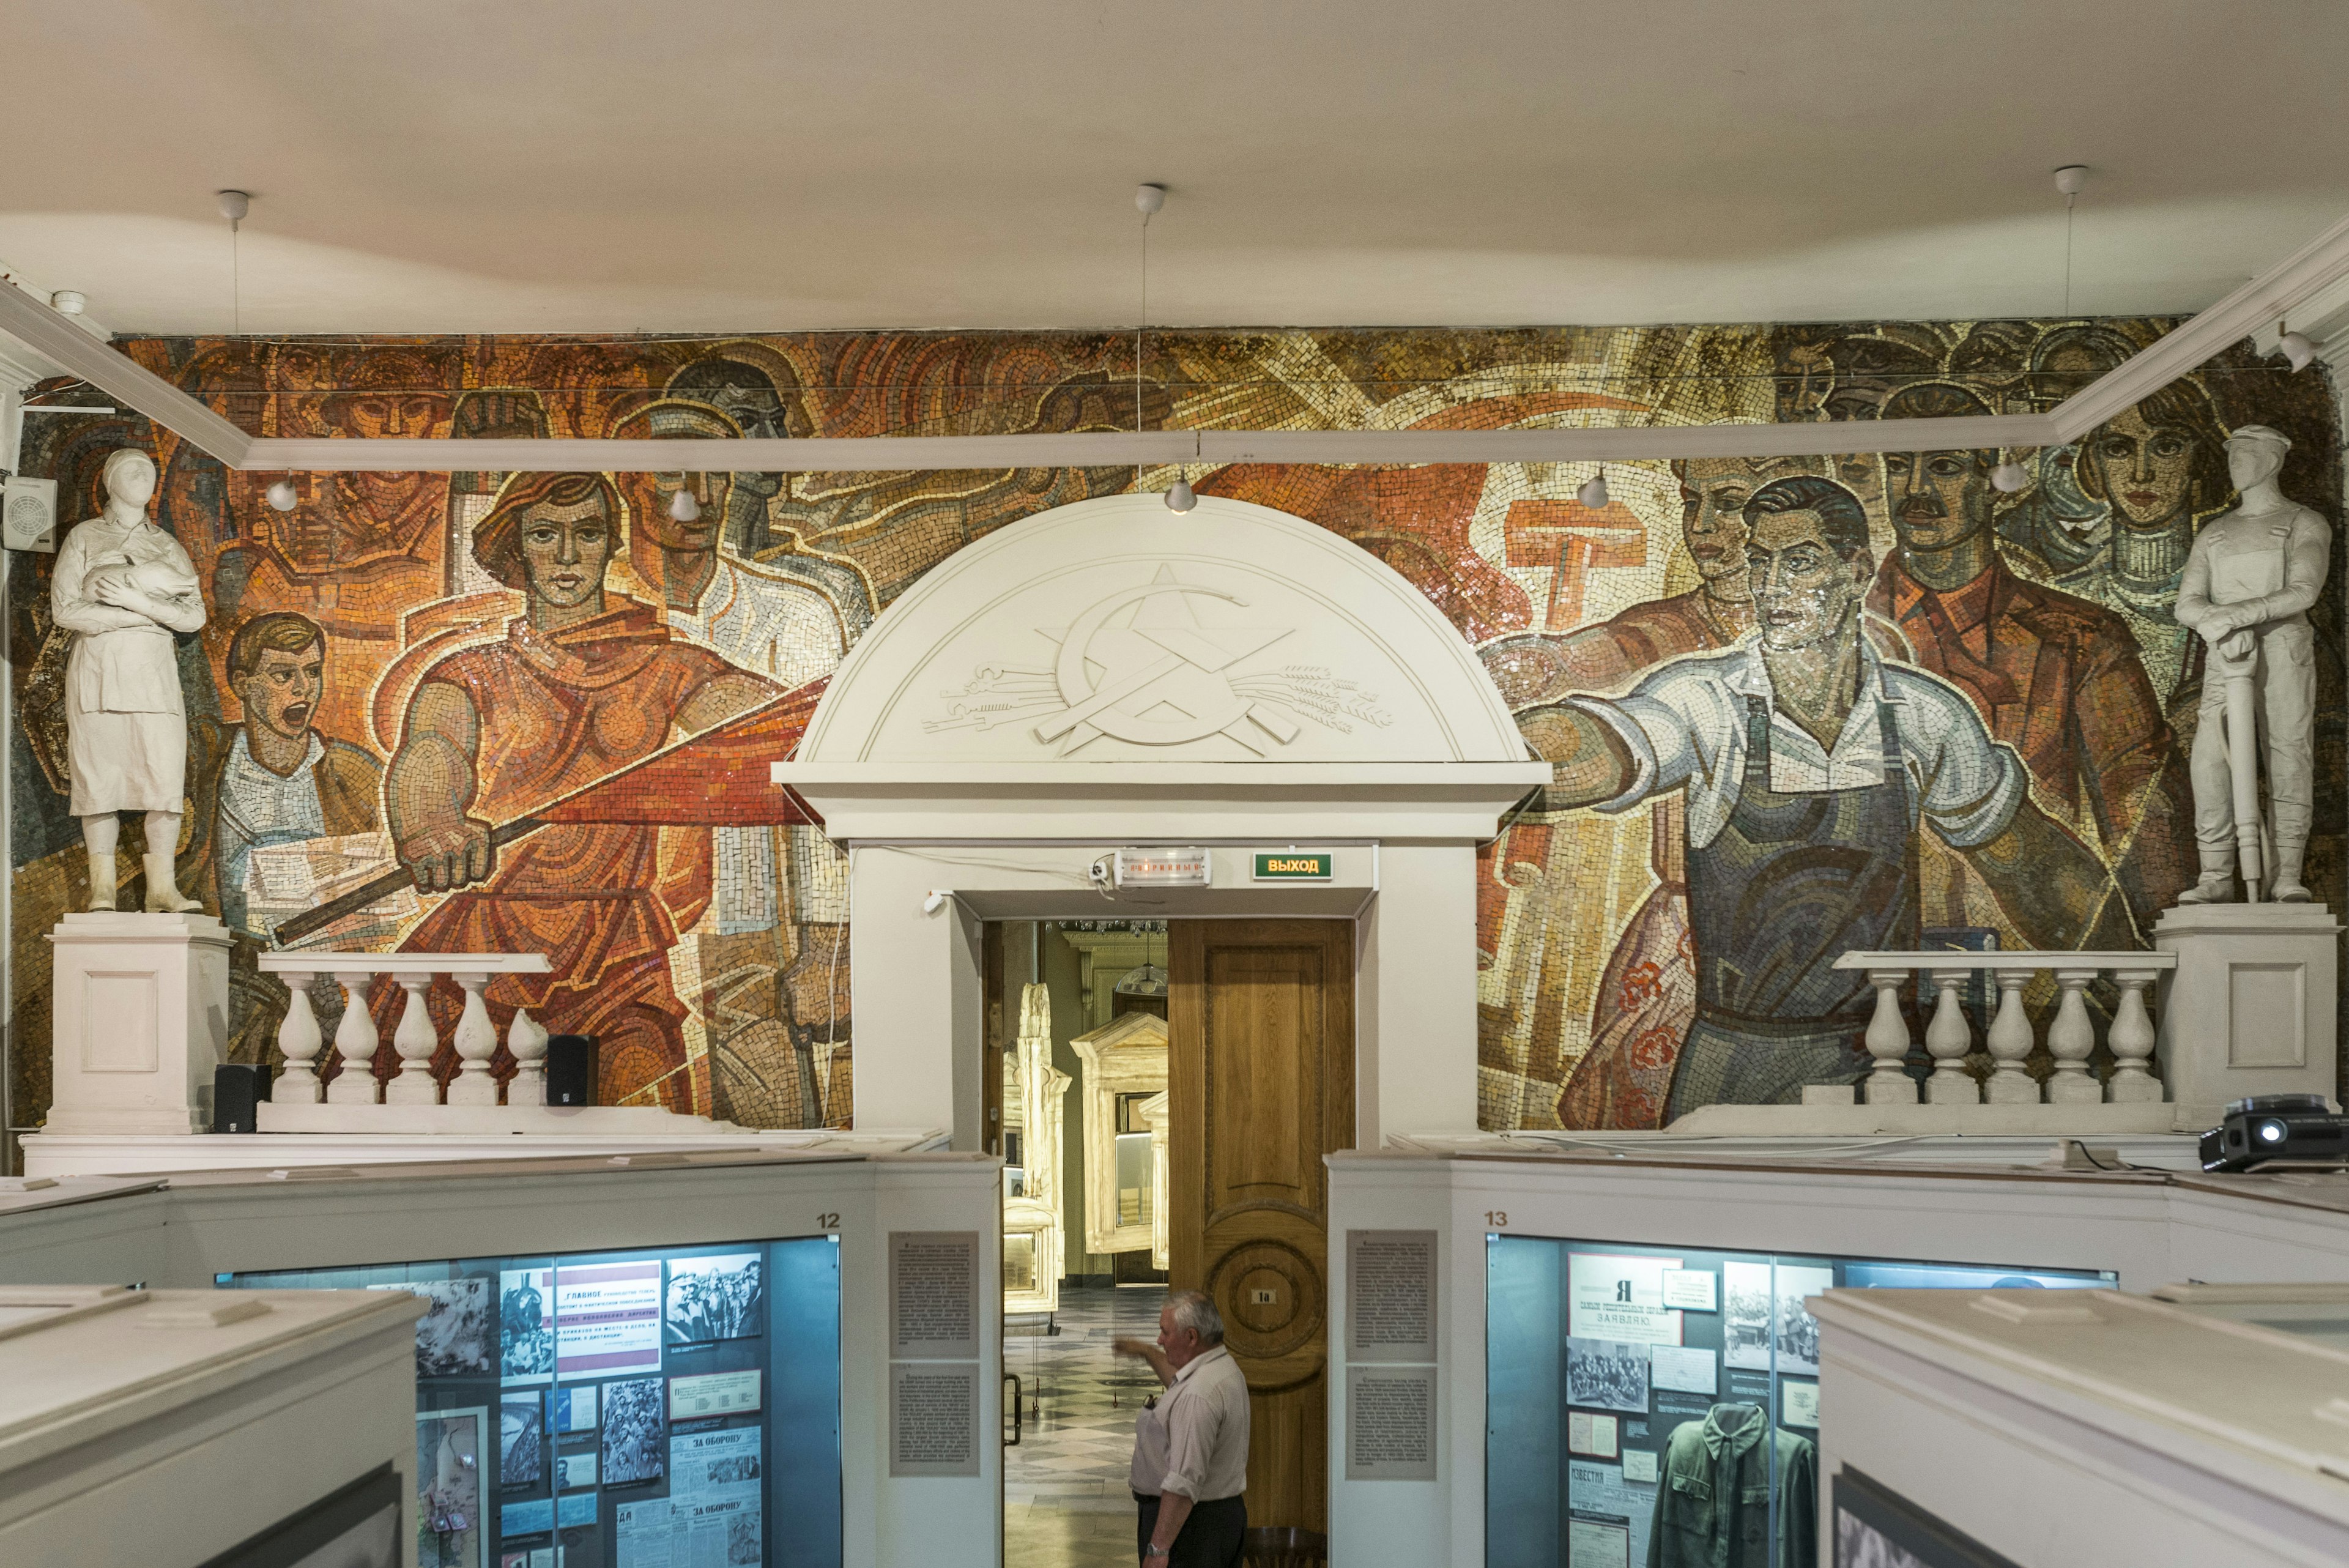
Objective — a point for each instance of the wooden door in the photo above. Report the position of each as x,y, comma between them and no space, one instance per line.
1260,1085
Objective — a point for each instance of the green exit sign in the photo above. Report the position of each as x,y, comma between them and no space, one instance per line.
1294,866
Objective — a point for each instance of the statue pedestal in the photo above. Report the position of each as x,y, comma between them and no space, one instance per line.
139,1018
2250,1008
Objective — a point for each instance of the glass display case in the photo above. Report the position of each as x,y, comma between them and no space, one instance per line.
1658,1407
639,1408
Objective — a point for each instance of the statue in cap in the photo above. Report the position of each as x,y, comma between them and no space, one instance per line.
122,586
2249,581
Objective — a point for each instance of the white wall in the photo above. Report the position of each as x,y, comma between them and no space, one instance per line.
1415,1024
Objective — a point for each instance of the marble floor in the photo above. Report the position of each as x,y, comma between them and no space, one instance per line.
1065,1500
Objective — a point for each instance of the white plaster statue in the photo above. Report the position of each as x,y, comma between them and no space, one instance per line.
2249,581
123,588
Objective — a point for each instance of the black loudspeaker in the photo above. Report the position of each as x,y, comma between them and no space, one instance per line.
237,1087
571,1070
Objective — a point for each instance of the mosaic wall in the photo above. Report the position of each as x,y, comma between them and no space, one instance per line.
395,677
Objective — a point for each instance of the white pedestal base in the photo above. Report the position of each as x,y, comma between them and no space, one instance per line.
139,1020
2250,1008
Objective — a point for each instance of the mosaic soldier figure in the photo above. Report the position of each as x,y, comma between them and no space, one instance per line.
1808,765
2249,581
122,586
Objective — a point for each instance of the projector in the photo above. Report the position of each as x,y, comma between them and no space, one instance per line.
2276,1127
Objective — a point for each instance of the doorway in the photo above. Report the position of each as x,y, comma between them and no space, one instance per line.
1161,1093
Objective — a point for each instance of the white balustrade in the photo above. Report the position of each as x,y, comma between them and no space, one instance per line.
2071,1036
415,1038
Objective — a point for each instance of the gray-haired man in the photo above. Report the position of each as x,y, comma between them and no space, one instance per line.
1191,1443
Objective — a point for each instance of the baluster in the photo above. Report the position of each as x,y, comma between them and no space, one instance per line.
2132,1038
476,1043
2070,1039
1947,1039
1889,1083
298,1038
2010,1042
415,1041
526,1044
355,1040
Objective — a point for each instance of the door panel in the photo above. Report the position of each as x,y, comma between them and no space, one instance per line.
1260,1084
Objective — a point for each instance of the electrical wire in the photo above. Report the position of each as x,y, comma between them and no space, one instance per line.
1141,322
2068,200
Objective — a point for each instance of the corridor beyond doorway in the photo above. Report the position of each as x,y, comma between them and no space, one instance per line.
1066,1503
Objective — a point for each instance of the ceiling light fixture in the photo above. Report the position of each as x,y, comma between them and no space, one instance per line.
2299,352
1181,498
2009,477
68,302
1593,494
283,496
684,507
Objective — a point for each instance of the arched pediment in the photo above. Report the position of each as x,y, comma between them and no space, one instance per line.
1116,631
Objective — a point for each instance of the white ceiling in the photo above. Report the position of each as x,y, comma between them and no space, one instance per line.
708,165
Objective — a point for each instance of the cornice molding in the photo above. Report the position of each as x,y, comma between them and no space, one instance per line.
2315,277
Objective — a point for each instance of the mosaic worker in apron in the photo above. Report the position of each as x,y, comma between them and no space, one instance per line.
1808,765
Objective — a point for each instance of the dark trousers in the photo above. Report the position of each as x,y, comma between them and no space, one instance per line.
1210,1537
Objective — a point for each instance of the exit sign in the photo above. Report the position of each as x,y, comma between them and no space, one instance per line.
1294,866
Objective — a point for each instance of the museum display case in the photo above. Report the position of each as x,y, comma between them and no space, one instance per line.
634,1406
187,1429
1658,1407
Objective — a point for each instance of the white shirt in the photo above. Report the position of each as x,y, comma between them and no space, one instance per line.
258,806
769,625
1684,723
791,634
1204,1417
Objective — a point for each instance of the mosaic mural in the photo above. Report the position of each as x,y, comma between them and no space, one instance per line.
427,700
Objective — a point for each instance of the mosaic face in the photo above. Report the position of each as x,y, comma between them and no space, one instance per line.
708,948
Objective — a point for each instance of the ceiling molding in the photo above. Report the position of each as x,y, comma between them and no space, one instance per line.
2311,276
1114,448
55,338
2299,278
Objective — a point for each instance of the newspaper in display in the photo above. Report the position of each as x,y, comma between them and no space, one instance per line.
1600,1489
713,1394
1616,1296
713,1515
607,1318
1693,1370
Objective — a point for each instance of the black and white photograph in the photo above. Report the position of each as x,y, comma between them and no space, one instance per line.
574,1471
711,1299
1875,1527
1797,1330
635,1431
1745,1315
1607,1375
526,1326
520,1443
454,1335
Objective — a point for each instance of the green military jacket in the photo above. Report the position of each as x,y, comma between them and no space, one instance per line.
1714,1496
